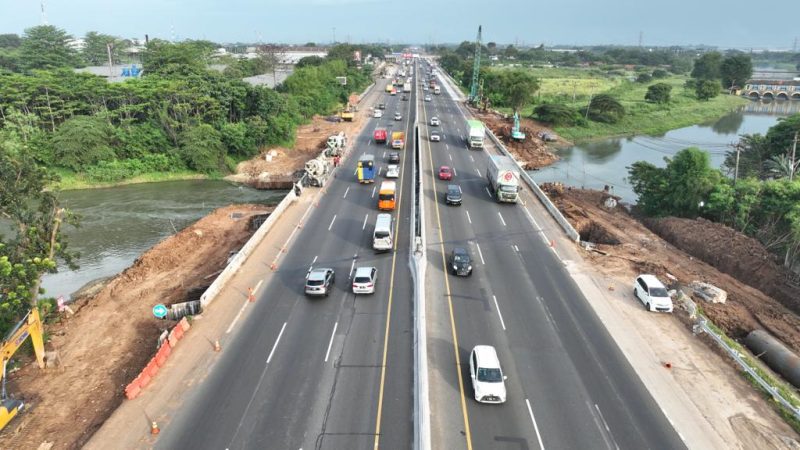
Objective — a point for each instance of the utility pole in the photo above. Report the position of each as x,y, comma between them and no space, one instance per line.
591,95
109,45
334,35
736,170
44,16
640,38
794,154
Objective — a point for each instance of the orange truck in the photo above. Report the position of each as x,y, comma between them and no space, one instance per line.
386,196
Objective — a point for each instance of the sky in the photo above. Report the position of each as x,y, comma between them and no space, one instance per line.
721,23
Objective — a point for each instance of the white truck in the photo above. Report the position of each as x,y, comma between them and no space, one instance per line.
503,177
407,86
475,133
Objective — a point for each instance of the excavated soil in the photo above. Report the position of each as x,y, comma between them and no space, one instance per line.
533,153
625,248
113,333
287,165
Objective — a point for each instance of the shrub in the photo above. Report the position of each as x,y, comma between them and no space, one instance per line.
707,89
658,93
557,114
605,108
644,78
660,73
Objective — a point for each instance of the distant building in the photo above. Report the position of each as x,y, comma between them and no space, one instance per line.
76,44
117,72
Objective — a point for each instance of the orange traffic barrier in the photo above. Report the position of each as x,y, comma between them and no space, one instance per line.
143,379
250,296
151,368
184,323
132,390
177,331
163,354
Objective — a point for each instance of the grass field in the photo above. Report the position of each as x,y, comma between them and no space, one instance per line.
573,87
71,180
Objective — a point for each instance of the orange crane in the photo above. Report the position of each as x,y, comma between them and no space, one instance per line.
29,326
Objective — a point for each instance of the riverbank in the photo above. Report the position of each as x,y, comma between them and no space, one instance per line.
71,180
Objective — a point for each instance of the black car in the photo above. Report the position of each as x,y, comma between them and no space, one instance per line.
394,158
453,194
381,106
404,98
461,262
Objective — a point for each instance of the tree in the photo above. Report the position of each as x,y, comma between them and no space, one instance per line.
736,70
45,47
312,60
644,78
706,89
10,40
681,188
518,87
96,51
492,46
82,141
781,166
29,205
557,114
182,59
605,108
707,67
781,135
660,73
202,148
510,52
658,93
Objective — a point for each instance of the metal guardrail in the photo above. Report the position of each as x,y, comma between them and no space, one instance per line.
702,324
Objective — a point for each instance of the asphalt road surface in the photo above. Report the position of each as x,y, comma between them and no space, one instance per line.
329,373
569,386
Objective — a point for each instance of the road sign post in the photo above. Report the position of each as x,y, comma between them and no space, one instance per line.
160,311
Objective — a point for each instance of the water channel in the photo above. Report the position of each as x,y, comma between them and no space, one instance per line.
118,224
601,163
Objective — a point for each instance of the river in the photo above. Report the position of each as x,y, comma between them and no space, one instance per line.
118,224
604,162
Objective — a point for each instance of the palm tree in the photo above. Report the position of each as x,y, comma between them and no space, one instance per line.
781,166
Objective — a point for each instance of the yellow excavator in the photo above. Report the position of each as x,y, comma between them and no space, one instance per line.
29,326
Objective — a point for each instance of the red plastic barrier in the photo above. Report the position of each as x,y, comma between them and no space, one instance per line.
151,368
143,379
132,390
162,355
184,323
177,332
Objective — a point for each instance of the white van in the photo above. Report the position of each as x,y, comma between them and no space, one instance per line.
377,114
382,236
652,293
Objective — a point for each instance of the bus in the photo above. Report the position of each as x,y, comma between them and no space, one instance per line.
386,196
366,169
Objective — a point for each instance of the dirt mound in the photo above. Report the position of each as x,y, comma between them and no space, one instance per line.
113,334
640,250
532,153
733,253
286,165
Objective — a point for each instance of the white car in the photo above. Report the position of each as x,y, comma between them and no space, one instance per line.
652,293
377,114
427,98
398,116
435,121
392,171
364,280
488,380
436,136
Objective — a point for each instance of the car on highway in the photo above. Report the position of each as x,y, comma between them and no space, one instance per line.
320,281
381,106
461,262
404,97
398,116
652,293
427,98
394,157
488,381
453,195
364,280
425,88
435,121
392,171
377,114
436,136
445,173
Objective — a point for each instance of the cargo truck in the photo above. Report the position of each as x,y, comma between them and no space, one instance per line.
475,133
407,87
379,135
398,140
366,169
437,90
503,177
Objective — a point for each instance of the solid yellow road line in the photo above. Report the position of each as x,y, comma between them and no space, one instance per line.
467,432
377,438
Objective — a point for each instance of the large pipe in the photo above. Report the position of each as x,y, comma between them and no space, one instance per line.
777,356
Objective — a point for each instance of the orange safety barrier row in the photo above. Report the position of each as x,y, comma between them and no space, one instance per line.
135,387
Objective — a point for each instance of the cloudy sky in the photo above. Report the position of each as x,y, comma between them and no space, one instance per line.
724,23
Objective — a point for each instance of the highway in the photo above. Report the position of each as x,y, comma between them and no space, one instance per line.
326,373
569,385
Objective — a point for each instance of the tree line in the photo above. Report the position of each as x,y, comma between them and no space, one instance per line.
179,115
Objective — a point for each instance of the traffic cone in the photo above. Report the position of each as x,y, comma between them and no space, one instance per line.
154,428
250,296
216,348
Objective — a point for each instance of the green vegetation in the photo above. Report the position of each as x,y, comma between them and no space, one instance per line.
179,117
764,204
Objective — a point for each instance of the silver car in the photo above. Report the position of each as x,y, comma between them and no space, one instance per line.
320,281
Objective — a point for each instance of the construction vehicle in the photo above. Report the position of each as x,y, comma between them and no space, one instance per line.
516,132
347,113
503,177
318,170
29,326
336,144
476,133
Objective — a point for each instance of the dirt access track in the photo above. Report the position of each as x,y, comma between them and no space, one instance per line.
113,334
532,153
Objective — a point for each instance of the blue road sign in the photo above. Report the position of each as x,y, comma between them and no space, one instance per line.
160,311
